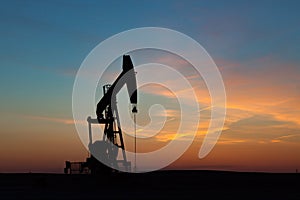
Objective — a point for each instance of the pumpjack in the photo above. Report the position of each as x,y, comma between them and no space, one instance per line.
107,149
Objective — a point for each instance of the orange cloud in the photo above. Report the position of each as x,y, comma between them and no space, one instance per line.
56,120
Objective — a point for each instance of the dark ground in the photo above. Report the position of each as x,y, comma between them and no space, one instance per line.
154,185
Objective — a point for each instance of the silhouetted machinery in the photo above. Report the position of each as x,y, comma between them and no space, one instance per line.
108,148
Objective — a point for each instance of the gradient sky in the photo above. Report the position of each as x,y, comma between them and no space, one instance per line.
255,44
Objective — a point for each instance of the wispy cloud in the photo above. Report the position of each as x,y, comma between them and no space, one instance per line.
53,119
287,138
262,129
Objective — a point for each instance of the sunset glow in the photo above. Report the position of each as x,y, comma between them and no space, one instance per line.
255,46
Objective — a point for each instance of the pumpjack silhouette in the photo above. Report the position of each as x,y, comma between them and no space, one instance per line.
104,153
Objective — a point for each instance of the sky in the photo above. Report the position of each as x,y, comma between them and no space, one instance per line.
255,45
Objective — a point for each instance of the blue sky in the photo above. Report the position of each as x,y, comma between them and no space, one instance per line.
43,40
